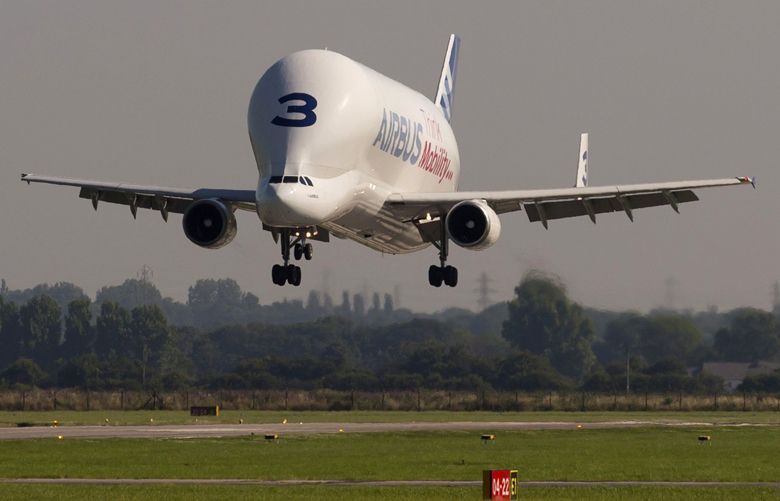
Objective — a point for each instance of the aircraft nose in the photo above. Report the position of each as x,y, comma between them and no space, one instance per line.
288,204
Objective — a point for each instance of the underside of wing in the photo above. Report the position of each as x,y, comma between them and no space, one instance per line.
547,204
162,199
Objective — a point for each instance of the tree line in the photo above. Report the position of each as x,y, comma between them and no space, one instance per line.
131,337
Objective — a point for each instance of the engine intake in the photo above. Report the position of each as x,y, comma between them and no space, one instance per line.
472,224
209,223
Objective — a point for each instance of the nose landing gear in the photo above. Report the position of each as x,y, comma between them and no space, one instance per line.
301,250
290,273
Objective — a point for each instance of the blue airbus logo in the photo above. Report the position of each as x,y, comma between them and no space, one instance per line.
400,136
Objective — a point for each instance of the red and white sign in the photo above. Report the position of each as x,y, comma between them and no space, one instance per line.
499,485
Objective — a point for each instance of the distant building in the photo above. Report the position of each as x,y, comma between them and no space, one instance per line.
733,373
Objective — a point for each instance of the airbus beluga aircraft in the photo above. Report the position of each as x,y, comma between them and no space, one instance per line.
345,151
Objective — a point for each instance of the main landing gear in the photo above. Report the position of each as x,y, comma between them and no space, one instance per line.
290,273
443,273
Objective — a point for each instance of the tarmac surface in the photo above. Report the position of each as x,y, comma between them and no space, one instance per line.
236,430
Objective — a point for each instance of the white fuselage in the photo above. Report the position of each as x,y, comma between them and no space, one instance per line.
358,136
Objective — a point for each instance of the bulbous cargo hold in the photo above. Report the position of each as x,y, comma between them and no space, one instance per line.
473,225
313,112
210,223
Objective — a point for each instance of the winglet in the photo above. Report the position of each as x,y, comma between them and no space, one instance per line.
748,179
582,163
446,89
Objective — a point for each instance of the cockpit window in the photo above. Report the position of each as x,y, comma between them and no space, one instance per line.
290,179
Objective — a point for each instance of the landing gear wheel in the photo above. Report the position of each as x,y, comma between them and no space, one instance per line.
278,274
308,252
298,252
435,276
450,275
294,275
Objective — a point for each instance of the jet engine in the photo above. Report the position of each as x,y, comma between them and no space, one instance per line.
472,224
209,223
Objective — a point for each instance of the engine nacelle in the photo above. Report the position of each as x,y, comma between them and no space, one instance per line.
472,224
209,223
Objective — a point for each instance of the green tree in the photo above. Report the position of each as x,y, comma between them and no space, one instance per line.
23,372
79,333
10,332
218,302
148,335
622,336
669,336
111,329
131,293
751,336
61,292
41,327
543,321
528,372
82,371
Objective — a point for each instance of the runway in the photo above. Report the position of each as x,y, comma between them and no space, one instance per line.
236,430
376,483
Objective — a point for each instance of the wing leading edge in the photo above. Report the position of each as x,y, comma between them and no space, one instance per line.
547,204
162,199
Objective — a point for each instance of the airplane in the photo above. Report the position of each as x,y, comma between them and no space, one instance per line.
345,151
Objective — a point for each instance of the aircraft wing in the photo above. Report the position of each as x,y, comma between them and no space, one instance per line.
157,198
546,204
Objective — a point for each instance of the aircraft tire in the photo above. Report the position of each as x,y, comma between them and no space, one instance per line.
435,275
294,275
308,251
278,275
450,276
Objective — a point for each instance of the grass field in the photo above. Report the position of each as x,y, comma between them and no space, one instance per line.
736,453
10,418
170,493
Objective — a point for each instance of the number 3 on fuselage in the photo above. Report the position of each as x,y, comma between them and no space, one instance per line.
306,109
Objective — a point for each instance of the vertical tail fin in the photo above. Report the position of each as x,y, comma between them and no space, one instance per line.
446,90
582,165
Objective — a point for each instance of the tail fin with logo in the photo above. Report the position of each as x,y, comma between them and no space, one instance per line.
582,165
446,90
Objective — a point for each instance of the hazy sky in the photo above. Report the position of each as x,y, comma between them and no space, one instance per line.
157,93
